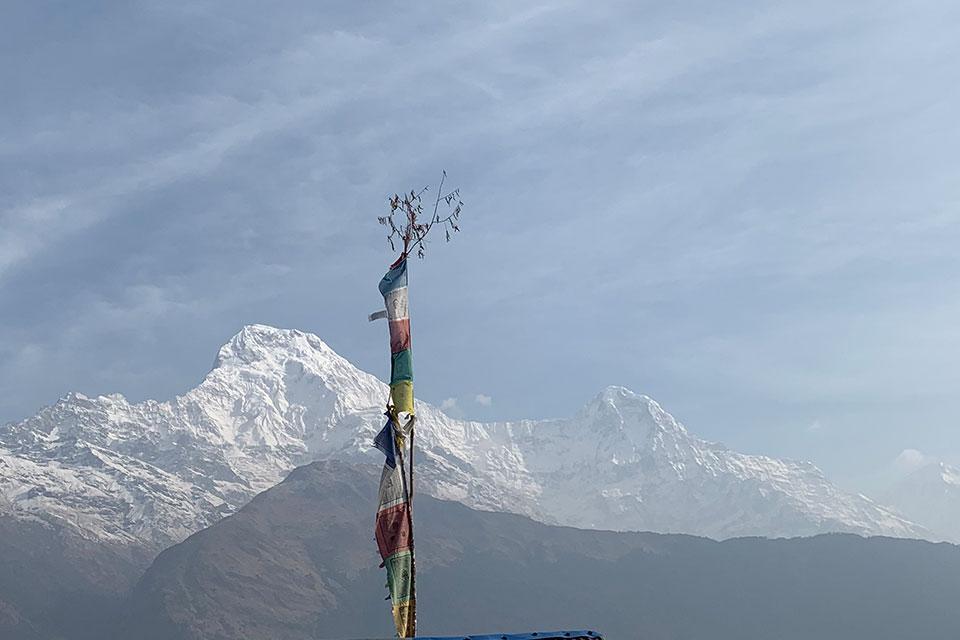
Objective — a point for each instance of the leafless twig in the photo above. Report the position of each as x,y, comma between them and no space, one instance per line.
412,232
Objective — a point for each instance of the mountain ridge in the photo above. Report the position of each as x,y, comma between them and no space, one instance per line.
154,472
298,562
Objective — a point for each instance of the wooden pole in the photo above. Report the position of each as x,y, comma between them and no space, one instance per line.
408,494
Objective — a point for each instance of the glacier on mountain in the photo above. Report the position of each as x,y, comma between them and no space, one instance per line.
154,472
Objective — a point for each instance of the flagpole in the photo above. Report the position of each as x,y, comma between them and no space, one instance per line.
394,287
408,492
413,553
408,495
412,425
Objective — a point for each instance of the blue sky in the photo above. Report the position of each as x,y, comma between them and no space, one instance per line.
748,211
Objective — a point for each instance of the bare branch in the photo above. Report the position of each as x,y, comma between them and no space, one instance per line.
413,233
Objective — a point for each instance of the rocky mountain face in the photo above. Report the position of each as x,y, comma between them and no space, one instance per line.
299,563
931,494
150,474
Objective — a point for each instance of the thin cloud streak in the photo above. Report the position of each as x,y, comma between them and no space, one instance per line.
747,212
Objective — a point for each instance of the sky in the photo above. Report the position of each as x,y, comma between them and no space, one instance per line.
748,211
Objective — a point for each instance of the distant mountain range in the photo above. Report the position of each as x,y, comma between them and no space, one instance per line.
299,563
147,475
931,495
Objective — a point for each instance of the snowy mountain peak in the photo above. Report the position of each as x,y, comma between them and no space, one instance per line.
613,399
635,419
282,388
615,393
279,398
936,474
259,342
931,494
950,475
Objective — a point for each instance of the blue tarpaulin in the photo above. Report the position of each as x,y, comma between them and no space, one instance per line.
536,635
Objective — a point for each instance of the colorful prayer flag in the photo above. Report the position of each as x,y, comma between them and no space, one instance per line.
393,287
394,518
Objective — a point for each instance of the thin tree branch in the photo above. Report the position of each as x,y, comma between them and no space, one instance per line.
414,234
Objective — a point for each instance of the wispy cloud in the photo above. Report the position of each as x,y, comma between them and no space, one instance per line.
748,213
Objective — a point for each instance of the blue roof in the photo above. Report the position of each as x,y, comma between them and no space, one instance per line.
536,635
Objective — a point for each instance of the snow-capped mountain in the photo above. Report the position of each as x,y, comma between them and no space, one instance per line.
154,472
931,495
